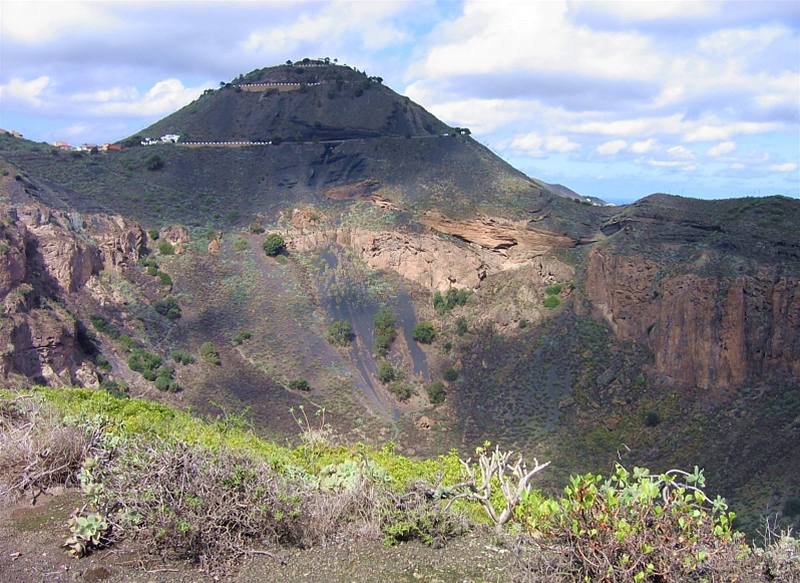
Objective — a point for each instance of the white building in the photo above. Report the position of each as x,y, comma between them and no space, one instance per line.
170,138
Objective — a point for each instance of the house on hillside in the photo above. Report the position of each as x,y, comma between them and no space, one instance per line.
111,148
170,138
62,146
149,142
12,133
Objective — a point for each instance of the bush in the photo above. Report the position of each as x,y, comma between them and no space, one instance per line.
208,352
652,419
341,333
417,516
386,372
154,163
165,381
145,363
127,343
424,332
450,375
241,337
227,502
551,302
461,326
384,326
164,279
452,298
273,245
166,248
255,228
635,526
182,357
436,392
153,234
241,245
553,290
299,385
168,307
104,326
402,390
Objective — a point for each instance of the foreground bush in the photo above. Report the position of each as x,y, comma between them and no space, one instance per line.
273,245
240,495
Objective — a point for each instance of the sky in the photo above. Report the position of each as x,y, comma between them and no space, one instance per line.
612,99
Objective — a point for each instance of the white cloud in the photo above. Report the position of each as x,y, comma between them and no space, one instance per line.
40,22
680,152
644,146
27,92
533,144
611,148
646,10
674,164
721,149
723,131
338,21
164,97
787,167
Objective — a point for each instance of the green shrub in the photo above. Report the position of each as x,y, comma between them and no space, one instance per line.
168,307
341,333
102,362
164,279
551,302
281,259
652,419
450,375
152,270
154,162
166,248
553,290
443,303
241,337
208,352
386,372
639,527
273,245
299,385
165,381
401,389
104,326
424,332
461,326
182,357
145,363
127,343
384,325
255,228
436,392
153,234
241,245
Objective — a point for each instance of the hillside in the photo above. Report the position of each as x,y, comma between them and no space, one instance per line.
666,331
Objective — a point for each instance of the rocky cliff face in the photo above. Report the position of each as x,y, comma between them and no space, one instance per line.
49,258
436,263
711,332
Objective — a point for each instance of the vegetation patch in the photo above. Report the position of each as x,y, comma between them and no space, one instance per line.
384,324
436,392
273,245
341,333
424,332
453,297
209,353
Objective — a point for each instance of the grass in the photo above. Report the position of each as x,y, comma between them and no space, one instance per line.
132,417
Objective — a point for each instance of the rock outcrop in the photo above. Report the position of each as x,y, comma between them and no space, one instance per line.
48,264
703,331
482,247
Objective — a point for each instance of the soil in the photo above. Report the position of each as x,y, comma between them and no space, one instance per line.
31,538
